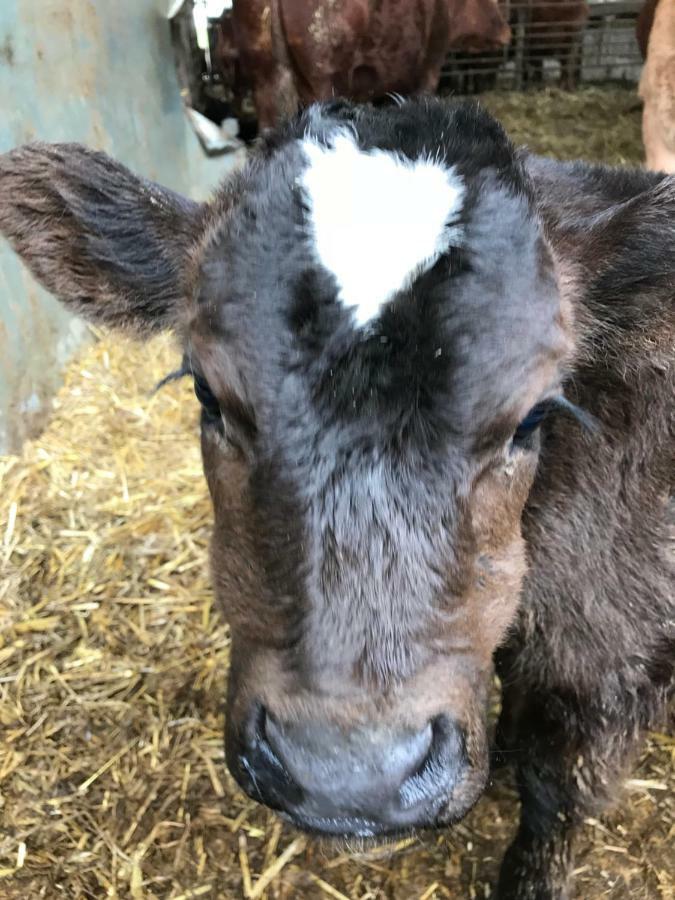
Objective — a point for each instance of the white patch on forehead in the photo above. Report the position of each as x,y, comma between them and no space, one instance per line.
378,219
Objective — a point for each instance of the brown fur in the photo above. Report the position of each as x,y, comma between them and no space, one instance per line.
293,52
657,89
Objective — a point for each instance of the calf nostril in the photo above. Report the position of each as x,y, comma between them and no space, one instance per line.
259,744
441,768
410,752
264,776
254,729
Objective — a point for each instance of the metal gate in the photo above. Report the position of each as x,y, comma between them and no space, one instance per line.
568,44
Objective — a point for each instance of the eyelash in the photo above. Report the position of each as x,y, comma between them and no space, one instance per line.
235,421
209,404
523,434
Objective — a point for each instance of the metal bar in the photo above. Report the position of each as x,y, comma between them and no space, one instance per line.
521,15
604,48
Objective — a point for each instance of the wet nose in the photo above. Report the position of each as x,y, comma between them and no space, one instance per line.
365,780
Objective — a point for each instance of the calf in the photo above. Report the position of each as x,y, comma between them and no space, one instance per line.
292,52
436,380
657,89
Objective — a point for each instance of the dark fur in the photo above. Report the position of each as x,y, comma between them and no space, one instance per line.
368,501
589,664
97,234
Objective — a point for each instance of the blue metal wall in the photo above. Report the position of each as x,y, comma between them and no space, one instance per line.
100,72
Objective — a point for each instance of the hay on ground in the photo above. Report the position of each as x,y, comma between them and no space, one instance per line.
597,124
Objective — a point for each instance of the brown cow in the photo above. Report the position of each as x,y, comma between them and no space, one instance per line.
657,89
477,26
292,52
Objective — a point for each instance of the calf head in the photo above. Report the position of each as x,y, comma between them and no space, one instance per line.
371,316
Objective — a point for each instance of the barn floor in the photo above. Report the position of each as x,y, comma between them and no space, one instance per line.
113,660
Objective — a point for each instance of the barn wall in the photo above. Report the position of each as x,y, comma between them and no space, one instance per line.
101,73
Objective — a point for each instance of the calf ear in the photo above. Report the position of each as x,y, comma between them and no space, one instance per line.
612,230
111,246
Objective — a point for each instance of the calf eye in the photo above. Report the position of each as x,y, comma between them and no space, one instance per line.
524,433
233,419
210,406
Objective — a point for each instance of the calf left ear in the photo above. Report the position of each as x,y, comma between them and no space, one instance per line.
111,246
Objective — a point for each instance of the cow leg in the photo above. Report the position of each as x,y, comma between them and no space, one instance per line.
430,79
658,118
275,97
436,50
569,759
571,67
533,71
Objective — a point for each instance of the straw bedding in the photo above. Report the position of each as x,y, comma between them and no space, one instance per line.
113,662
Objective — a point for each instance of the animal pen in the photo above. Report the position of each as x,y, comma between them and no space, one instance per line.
555,43
571,44
113,657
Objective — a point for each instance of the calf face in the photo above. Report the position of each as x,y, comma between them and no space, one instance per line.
371,315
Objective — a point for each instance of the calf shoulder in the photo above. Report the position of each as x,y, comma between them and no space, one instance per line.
597,613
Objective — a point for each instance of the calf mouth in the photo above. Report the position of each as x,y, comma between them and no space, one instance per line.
370,833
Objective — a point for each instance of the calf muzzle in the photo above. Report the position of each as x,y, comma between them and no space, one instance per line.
364,781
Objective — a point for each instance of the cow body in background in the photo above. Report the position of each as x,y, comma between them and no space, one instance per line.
553,30
436,377
292,52
657,89
643,26
542,30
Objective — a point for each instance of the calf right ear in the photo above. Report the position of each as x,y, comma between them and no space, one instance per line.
113,247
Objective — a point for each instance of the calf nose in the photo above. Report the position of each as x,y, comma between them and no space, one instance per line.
346,772
359,781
